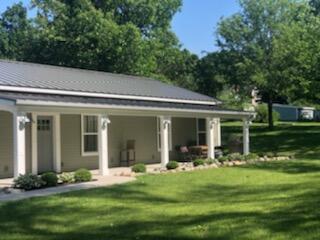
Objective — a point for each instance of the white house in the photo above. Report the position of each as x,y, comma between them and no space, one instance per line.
60,119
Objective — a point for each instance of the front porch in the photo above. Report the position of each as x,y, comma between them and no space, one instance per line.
47,138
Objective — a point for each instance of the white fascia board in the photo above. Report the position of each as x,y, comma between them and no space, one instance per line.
235,114
104,95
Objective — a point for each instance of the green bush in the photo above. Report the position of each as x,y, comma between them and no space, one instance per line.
28,182
82,175
223,159
139,168
210,161
236,157
262,114
270,154
66,177
172,165
251,156
50,179
198,162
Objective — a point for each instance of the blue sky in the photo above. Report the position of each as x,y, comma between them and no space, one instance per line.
195,25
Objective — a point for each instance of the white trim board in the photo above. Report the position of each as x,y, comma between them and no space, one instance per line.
217,113
104,95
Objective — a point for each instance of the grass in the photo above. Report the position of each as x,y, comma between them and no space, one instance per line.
278,200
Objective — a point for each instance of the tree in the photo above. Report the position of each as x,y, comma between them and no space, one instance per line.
15,31
261,33
132,37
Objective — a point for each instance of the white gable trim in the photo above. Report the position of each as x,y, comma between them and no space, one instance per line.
103,95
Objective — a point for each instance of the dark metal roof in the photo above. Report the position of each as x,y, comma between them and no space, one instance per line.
30,75
14,96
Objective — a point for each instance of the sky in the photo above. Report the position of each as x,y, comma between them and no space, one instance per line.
195,25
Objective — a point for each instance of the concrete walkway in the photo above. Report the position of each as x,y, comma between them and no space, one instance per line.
99,181
118,175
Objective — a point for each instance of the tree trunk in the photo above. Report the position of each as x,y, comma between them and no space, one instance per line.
270,117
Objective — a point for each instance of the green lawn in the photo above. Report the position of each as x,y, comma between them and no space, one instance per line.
278,200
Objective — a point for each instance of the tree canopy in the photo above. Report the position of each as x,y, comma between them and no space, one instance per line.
276,47
121,36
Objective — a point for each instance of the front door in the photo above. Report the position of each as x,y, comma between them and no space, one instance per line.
45,144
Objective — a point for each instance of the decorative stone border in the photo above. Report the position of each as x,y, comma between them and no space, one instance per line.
188,166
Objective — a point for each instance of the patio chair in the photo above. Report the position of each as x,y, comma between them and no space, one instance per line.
128,155
184,154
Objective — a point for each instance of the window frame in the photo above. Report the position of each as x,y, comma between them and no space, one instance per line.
159,135
83,134
201,131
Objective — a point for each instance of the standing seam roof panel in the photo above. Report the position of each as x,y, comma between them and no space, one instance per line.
32,75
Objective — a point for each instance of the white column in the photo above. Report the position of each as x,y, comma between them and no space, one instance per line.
218,134
103,122
57,143
19,145
164,132
34,145
246,124
210,127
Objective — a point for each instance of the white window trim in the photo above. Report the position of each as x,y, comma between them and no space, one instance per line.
83,153
159,135
202,131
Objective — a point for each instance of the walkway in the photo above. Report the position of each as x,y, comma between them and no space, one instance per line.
99,181
118,175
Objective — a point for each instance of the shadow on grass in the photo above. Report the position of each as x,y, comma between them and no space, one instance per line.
290,166
134,211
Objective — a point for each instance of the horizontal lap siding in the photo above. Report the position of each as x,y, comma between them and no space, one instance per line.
6,145
71,158
141,129
183,132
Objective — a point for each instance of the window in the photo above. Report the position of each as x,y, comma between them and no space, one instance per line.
89,126
159,135
201,132
43,125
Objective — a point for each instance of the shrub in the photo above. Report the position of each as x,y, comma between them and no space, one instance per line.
66,178
210,161
28,182
262,114
139,168
172,165
235,157
82,175
198,162
50,179
223,159
270,154
251,156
